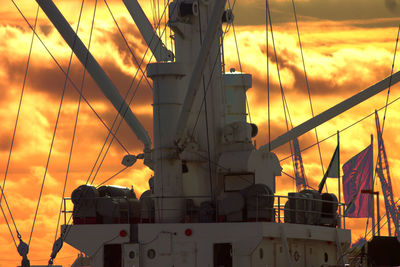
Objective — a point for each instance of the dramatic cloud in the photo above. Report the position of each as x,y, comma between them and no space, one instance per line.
347,46
253,13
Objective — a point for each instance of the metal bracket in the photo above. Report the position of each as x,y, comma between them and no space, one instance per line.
23,250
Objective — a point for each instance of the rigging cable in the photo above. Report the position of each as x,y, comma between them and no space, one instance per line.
22,248
212,70
345,128
268,88
209,80
240,67
381,218
63,71
307,84
132,98
383,123
123,169
69,220
8,225
56,125
20,104
117,115
206,114
14,133
129,48
11,216
284,102
294,179
76,121
390,81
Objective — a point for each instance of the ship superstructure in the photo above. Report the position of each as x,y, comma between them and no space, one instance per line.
212,199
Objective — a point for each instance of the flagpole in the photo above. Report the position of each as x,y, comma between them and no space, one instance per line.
340,207
371,196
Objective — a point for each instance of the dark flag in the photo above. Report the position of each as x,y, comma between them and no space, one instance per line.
357,175
333,169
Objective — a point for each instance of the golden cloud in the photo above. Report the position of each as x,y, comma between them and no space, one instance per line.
341,59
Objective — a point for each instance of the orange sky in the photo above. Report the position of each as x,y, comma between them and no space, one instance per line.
346,46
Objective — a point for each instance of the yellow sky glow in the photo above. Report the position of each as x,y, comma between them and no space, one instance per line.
341,57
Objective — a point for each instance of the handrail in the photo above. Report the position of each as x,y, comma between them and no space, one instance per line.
276,208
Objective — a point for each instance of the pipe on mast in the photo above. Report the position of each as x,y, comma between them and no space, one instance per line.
94,69
334,111
195,80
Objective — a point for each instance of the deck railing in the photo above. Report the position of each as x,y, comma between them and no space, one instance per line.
305,211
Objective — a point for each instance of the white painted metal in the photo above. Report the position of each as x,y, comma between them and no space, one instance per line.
168,97
94,69
236,85
91,238
197,169
262,164
334,111
286,247
195,79
173,247
131,255
153,41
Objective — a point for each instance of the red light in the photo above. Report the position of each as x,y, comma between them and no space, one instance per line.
123,233
188,232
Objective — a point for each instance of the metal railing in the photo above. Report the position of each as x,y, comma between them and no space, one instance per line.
304,212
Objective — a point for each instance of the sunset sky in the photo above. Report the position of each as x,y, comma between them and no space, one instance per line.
347,45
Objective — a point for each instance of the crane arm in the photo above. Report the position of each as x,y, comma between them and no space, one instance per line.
333,112
213,24
157,47
94,69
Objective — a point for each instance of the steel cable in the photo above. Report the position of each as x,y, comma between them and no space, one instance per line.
132,98
383,122
344,129
62,70
15,130
56,125
19,104
284,102
307,84
76,118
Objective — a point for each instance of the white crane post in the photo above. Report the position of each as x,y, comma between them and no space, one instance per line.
157,47
334,111
195,80
94,69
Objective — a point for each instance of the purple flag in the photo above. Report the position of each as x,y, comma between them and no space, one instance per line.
357,175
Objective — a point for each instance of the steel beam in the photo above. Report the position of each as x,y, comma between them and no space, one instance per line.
333,112
94,69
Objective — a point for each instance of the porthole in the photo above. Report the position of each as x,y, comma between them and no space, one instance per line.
296,256
151,253
326,257
261,253
132,254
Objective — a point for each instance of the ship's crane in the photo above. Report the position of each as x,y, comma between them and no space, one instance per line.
384,176
301,182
